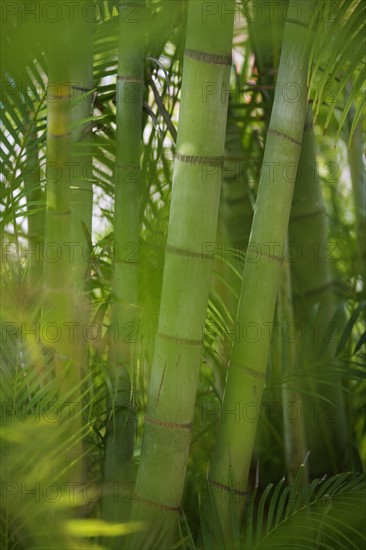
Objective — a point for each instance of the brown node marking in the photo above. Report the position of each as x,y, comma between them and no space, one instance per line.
226,488
171,425
314,291
237,200
58,136
314,213
130,78
182,252
206,57
59,97
157,505
55,213
249,371
270,256
75,188
186,341
284,136
82,89
192,159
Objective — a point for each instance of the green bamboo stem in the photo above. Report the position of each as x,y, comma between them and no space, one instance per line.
293,420
358,178
266,24
236,211
266,36
312,287
81,188
187,273
233,229
35,209
59,315
236,432
57,273
124,319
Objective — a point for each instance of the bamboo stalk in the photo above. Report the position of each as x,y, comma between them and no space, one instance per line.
266,24
312,287
59,316
233,229
246,376
187,272
81,188
359,195
124,319
293,418
266,36
236,211
35,201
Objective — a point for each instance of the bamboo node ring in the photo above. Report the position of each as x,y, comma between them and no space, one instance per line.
206,57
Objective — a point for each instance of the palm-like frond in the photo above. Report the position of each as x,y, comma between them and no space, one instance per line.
337,56
327,513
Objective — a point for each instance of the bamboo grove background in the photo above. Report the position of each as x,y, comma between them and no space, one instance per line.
183,274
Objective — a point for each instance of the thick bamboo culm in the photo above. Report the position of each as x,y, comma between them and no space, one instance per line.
187,273
124,334
59,311
312,282
230,464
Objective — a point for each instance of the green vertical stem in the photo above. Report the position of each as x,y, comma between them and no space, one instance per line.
266,22
312,282
358,177
236,210
81,188
293,419
35,209
187,271
59,317
230,464
234,223
124,319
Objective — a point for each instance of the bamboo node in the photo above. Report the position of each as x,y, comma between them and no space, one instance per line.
320,210
171,425
193,159
130,78
226,488
60,213
59,136
186,341
60,97
261,254
183,252
153,504
248,370
206,57
314,291
284,136
82,89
